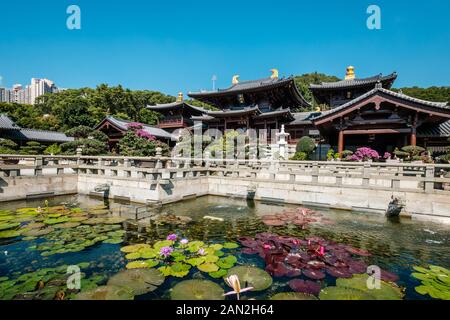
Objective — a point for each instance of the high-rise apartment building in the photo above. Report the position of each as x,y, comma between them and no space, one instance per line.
28,94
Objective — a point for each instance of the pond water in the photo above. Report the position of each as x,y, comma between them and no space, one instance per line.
394,246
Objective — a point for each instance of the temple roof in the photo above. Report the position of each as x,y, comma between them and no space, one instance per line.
276,113
304,118
441,106
227,113
6,123
387,82
254,86
123,126
38,135
176,105
433,131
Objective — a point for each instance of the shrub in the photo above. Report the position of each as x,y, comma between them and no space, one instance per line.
53,149
300,156
410,153
365,154
330,155
139,143
306,145
89,147
8,146
32,148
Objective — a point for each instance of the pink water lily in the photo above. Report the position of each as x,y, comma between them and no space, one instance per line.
201,252
165,251
172,237
184,241
233,282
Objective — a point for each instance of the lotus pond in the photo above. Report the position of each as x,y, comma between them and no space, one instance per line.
211,246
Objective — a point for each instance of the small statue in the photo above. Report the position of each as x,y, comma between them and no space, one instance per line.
394,208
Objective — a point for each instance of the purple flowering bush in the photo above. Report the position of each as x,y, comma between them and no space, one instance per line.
365,154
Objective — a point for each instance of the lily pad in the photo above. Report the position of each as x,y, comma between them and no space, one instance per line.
9,234
52,221
250,276
139,281
293,296
7,226
197,290
227,262
342,293
218,274
208,267
109,292
135,247
387,291
435,282
230,245
38,232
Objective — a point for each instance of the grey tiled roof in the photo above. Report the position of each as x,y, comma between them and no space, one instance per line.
234,112
354,82
432,131
154,131
440,105
304,117
7,123
254,85
173,105
278,112
36,135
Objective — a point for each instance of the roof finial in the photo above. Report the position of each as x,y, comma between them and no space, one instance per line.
350,73
379,85
274,73
180,97
235,79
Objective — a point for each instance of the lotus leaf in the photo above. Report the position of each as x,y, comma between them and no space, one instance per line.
343,293
227,262
93,221
435,282
113,241
133,256
194,246
218,274
67,225
219,253
211,258
250,276
76,210
177,256
5,212
387,291
38,232
134,247
54,215
6,218
99,212
230,245
109,292
78,219
208,267
52,221
27,210
179,269
140,281
137,265
195,261
216,246
151,263
293,296
197,290
35,225
9,234
148,253
7,226
163,243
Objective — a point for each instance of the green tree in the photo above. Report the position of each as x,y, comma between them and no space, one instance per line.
138,144
32,148
8,146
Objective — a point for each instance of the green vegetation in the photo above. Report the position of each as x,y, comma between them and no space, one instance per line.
90,141
8,147
305,145
435,282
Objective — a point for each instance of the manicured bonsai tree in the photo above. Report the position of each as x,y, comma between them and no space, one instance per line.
410,153
330,155
32,148
53,149
306,144
8,146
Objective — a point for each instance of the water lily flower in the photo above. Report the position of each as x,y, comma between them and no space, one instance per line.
296,242
172,237
322,250
201,252
267,246
165,251
184,241
233,282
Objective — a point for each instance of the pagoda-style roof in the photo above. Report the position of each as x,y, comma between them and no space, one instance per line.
435,131
280,92
304,118
177,105
123,126
386,81
439,109
277,113
6,123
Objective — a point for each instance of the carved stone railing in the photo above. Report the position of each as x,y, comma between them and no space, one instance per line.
428,178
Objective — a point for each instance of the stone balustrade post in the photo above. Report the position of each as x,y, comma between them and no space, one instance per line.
126,163
38,162
315,173
429,182
366,174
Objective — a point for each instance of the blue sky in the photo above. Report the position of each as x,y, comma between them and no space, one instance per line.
174,46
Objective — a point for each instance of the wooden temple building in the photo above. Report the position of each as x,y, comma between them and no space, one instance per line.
360,112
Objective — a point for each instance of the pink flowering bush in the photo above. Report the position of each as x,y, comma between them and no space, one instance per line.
144,134
387,156
134,125
365,154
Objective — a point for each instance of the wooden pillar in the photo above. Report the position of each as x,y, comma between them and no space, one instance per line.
341,142
413,137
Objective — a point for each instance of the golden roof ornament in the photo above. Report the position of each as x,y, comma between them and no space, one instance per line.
350,73
274,73
180,97
235,79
